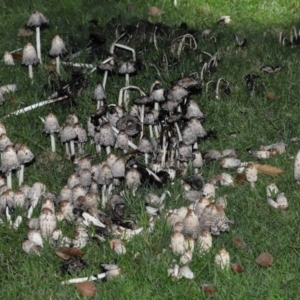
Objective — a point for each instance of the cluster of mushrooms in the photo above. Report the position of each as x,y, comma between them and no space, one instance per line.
146,142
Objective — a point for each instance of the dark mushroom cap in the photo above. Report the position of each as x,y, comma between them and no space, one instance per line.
185,152
129,124
106,67
188,82
177,93
143,100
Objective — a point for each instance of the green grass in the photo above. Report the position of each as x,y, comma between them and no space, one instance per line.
257,121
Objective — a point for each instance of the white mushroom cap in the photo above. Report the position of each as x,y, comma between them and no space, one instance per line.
24,155
29,55
51,124
37,19
4,141
9,159
99,93
57,47
8,58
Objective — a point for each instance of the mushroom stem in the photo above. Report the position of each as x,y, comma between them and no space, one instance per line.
178,132
108,149
67,149
52,138
8,180
21,175
8,216
33,106
120,99
30,71
104,196
91,278
218,86
72,147
142,120
204,68
57,60
38,43
104,79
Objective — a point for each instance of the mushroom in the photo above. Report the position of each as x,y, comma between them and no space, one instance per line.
9,162
145,147
204,241
105,137
37,19
58,48
67,135
81,137
29,58
251,174
222,259
99,95
296,166
24,156
51,126
8,58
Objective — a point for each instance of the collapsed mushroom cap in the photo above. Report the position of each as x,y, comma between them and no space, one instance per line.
129,124
37,19
127,67
29,56
57,47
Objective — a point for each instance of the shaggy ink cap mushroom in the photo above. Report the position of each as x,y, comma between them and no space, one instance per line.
51,127
99,95
8,58
29,58
58,48
37,19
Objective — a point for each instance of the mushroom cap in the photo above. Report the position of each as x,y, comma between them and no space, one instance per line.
51,124
29,56
57,47
188,82
37,19
99,92
122,140
8,58
128,67
193,110
9,160
118,168
67,133
24,155
145,145
106,67
114,113
80,133
185,152
105,176
177,93
143,100
105,137
129,124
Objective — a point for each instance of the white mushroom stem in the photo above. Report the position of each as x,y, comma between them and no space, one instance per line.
38,43
178,132
108,149
67,149
72,147
8,216
207,84
57,61
52,138
91,278
104,196
204,68
127,48
104,62
30,71
17,222
8,180
133,87
21,175
218,86
33,106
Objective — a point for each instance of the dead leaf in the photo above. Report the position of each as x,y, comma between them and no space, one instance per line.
13,99
86,288
237,268
155,11
66,252
208,289
16,56
241,178
239,243
202,11
265,259
270,95
25,32
269,170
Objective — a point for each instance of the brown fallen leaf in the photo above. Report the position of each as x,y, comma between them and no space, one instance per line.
241,178
86,288
66,252
239,243
237,268
155,11
265,259
208,289
270,95
25,32
269,170
17,56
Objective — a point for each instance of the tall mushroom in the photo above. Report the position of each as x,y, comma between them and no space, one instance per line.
51,126
37,19
99,95
57,48
29,58
24,156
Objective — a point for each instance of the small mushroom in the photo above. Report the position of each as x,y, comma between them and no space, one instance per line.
222,259
51,127
47,220
99,95
8,58
251,174
25,156
29,58
58,48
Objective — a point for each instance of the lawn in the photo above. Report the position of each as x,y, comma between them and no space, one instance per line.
263,117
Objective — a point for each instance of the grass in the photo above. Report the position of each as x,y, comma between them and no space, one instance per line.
256,119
